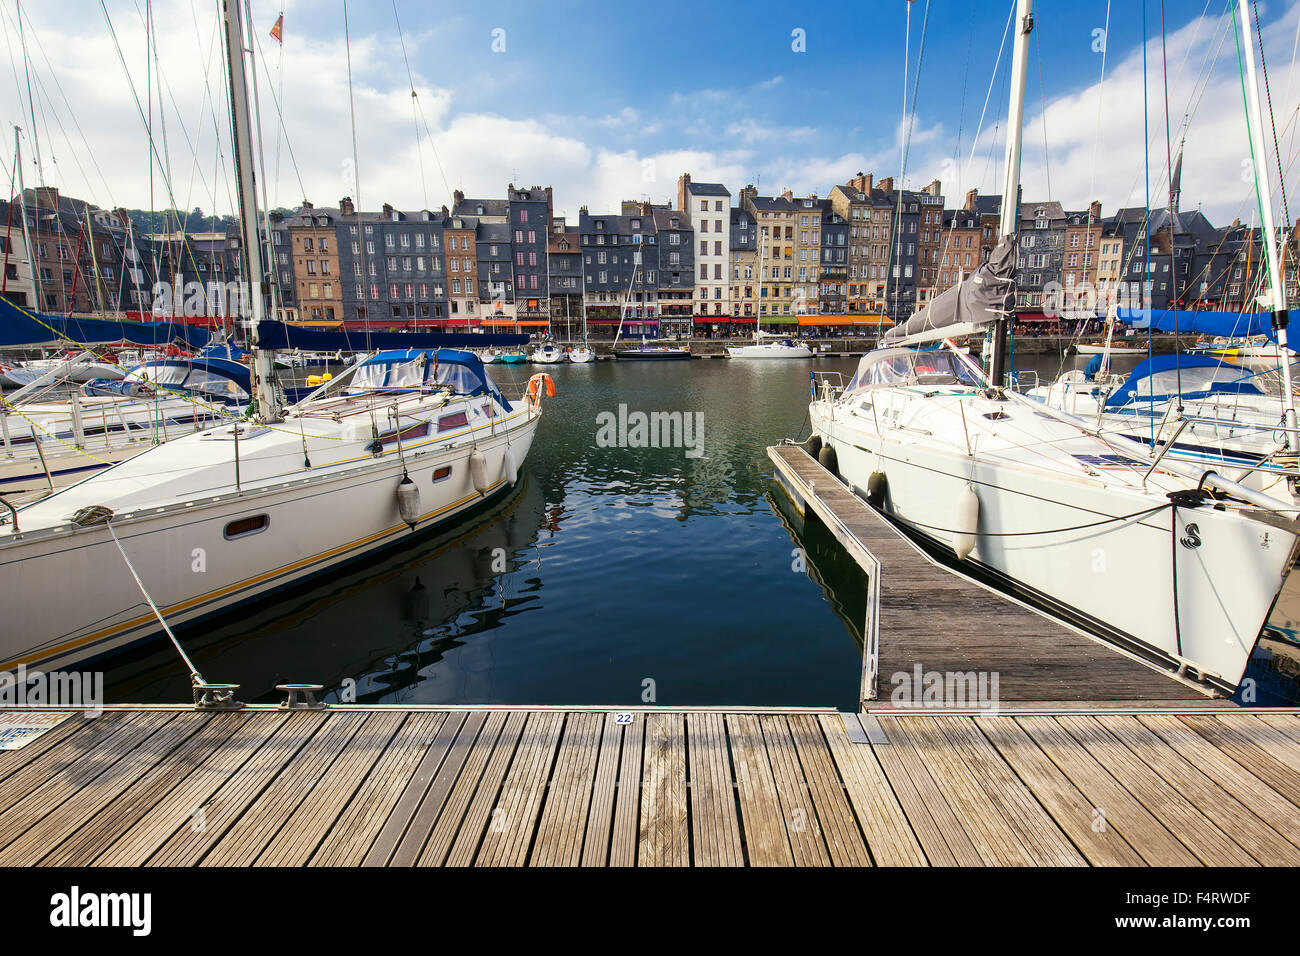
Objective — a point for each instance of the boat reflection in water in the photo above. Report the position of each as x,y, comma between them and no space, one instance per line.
374,634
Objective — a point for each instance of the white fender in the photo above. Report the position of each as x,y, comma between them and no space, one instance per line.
510,467
478,471
968,515
408,501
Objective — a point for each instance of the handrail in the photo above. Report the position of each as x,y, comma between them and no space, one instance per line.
13,513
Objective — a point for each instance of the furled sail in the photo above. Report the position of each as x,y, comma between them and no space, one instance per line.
20,328
971,304
1194,322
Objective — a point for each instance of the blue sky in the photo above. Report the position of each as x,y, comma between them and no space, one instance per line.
614,100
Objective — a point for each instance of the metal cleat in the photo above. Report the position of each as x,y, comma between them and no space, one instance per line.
309,693
215,696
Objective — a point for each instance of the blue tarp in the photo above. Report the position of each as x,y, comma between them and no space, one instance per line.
1157,379
460,369
278,335
20,328
1193,322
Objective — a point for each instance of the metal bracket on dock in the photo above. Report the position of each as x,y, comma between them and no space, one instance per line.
215,696
308,691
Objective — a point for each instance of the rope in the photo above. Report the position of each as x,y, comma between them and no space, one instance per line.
1020,534
195,676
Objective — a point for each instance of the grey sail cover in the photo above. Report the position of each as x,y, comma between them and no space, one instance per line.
987,295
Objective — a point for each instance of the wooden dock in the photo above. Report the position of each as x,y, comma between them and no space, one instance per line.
376,786
932,617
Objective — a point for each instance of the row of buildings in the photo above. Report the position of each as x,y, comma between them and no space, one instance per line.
867,253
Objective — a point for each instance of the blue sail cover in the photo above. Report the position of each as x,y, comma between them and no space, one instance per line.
279,336
1193,322
1160,378
20,328
460,369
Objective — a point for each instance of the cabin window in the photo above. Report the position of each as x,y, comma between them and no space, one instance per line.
454,420
246,526
442,474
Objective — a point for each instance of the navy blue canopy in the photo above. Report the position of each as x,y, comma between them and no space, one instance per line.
278,335
463,371
1161,377
20,328
1226,324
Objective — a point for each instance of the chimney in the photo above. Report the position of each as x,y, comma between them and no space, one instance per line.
683,182
458,197
934,189
307,205
345,206
972,198
47,196
445,213
582,210
388,211
1094,210
886,185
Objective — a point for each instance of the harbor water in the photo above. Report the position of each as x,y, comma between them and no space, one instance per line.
613,573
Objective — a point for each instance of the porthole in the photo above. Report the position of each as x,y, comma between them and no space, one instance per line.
246,526
441,474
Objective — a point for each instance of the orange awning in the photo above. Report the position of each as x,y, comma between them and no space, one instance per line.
511,323
874,320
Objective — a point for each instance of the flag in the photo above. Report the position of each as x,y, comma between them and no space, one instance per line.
277,31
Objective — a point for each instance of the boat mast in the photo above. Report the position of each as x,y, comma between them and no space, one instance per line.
1011,185
27,236
251,247
762,283
1277,299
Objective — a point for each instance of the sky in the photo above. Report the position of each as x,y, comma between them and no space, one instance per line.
610,100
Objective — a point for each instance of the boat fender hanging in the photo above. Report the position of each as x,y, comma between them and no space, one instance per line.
877,486
828,460
968,514
815,445
510,467
478,471
408,501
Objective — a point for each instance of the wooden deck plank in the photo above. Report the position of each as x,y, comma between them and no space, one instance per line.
462,793
761,819
562,827
508,841
1039,833
224,808
308,825
889,835
1269,805
1114,807
984,821
1248,749
627,804
186,806
1101,845
269,810
1197,831
80,778
1246,830
844,841
435,798
485,811
86,744
119,816
600,818
715,826
74,798
399,819
807,841
664,833
14,760
367,812
940,834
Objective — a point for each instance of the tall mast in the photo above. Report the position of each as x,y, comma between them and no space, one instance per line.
1277,298
251,248
1011,184
27,236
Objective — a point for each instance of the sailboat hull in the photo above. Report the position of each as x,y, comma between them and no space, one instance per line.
769,352
1208,578
80,601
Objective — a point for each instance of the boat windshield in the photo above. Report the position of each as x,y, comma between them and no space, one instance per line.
899,366
459,371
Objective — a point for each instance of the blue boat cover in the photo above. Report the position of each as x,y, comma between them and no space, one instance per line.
1199,375
278,335
462,370
1191,321
20,328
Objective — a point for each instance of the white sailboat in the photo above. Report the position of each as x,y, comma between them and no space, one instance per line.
1179,568
400,442
768,345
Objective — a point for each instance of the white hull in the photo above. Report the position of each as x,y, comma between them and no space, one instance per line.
581,356
769,351
1117,571
548,355
1114,350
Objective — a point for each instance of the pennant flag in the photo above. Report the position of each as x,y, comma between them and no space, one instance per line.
277,31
